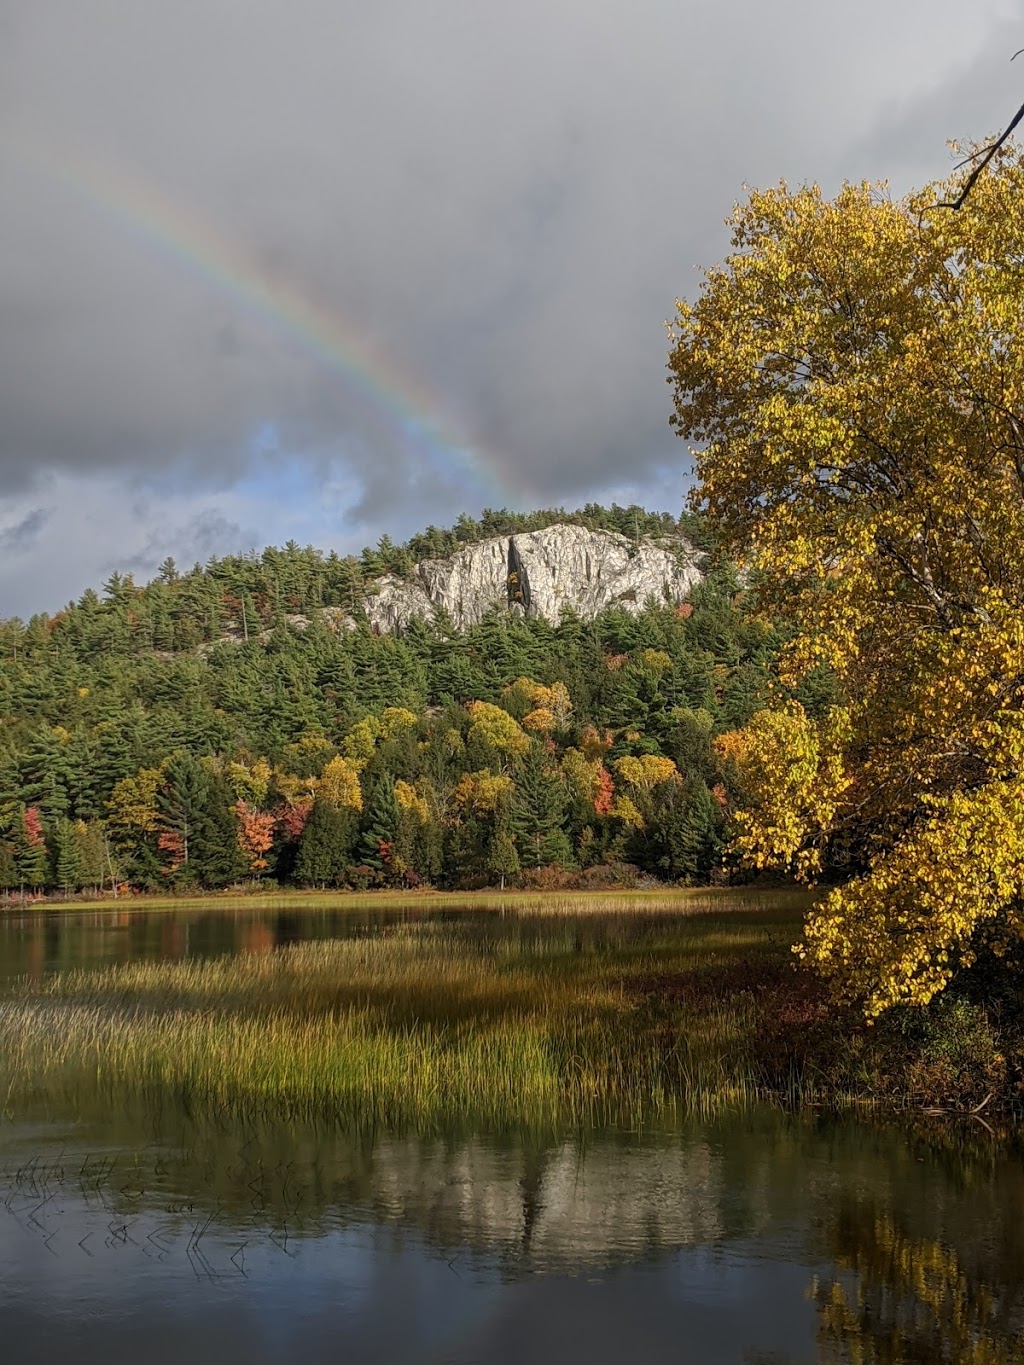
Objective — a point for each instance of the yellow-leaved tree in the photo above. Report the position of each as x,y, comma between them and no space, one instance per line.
852,382
339,784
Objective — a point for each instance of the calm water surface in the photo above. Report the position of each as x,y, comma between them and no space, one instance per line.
159,1234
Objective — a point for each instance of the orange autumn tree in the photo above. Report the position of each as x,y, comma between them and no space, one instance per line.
851,379
255,834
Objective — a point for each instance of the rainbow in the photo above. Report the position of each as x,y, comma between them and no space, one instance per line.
394,405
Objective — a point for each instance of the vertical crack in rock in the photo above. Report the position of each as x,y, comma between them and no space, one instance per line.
539,573
518,580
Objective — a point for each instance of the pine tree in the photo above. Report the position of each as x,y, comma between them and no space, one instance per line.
69,865
429,861
216,858
325,849
92,853
538,807
46,774
705,835
685,835
181,801
380,829
502,855
468,847
31,857
8,868
117,752
10,780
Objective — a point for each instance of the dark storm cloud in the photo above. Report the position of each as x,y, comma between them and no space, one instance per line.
192,540
499,202
25,532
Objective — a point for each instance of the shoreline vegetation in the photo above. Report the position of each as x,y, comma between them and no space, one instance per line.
677,899
570,1009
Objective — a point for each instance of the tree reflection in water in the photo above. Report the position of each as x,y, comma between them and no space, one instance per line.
900,1299
915,1242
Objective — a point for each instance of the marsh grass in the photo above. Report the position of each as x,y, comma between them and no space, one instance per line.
540,1017
681,900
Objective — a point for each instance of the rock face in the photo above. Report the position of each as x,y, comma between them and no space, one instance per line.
538,573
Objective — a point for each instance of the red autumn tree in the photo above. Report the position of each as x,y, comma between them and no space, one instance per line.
255,834
33,823
605,792
171,843
292,819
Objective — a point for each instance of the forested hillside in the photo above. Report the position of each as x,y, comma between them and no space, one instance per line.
215,727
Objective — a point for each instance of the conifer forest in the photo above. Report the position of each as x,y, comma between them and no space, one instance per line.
217,727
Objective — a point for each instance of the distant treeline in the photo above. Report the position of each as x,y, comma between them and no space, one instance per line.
245,594
185,733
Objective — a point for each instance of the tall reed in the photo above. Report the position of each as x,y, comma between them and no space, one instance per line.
517,1021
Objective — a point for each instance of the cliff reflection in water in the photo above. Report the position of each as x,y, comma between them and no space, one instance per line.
563,1207
528,1204
890,1248
589,1197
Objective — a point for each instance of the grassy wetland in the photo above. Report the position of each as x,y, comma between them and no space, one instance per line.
555,1010
496,1014
547,1087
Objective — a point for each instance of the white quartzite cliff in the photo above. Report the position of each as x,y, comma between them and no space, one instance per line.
538,573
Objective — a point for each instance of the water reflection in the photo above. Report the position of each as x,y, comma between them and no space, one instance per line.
767,1239
36,943
913,1298
758,1239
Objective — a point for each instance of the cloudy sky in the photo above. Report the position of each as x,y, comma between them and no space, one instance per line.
325,268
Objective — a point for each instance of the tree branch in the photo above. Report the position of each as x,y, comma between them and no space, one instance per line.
986,154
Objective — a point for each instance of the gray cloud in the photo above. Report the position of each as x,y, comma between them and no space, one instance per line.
25,532
496,203
976,100
192,540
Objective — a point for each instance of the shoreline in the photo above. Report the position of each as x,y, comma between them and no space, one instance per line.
715,1007
675,898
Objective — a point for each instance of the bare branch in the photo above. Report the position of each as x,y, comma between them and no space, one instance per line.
986,158
986,154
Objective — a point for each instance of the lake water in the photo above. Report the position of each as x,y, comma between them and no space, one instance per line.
149,1232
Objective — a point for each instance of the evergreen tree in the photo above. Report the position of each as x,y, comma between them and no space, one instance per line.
9,880
93,859
468,848
325,848
745,692
538,807
685,835
115,752
46,774
31,857
182,805
68,860
429,862
503,857
216,857
10,781
380,829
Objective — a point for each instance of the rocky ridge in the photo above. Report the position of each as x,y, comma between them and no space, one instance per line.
538,574
533,573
